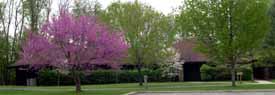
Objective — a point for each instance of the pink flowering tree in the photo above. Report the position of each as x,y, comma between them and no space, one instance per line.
73,43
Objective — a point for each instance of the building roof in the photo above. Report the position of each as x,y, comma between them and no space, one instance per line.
188,53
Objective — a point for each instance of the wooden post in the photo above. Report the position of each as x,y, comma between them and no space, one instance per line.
182,72
181,75
239,77
58,78
146,81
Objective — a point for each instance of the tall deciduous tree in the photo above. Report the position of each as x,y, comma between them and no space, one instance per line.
86,7
36,11
268,53
73,43
149,33
11,25
228,30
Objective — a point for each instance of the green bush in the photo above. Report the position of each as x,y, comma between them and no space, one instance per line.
128,76
101,77
50,77
123,76
247,71
47,77
221,72
207,72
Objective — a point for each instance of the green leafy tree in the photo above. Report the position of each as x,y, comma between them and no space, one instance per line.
148,33
267,53
228,30
36,11
86,7
14,16
11,24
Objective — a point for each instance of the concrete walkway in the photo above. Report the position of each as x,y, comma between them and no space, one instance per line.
211,93
264,82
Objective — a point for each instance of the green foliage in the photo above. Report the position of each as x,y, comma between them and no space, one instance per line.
102,77
148,32
50,77
214,73
8,43
207,72
86,8
124,76
228,30
35,12
269,40
247,71
267,53
4,48
221,72
208,21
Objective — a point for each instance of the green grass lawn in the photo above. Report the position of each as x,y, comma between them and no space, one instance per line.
118,89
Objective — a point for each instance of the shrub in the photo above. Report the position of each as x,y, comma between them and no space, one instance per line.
207,72
50,77
47,77
101,77
221,72
123,76
247,72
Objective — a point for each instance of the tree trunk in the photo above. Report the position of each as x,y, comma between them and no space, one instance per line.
4,75
77,82
140,79
252,74
233,74
2,78
58,79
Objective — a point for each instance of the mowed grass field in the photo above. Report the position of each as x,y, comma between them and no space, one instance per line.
120,89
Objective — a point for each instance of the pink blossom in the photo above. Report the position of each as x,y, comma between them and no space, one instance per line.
67,42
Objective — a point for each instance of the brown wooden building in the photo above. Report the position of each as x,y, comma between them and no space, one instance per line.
191,59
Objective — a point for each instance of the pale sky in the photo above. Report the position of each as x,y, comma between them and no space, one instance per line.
164,6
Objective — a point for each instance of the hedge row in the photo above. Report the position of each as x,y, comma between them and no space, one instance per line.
221,72
50,77
208,73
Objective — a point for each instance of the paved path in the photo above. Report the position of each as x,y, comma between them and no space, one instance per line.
264,82
212,93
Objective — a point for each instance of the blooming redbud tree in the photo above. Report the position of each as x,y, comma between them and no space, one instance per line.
73,43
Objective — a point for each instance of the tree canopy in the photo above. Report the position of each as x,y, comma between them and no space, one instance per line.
267,52
228,30
149,33
74,44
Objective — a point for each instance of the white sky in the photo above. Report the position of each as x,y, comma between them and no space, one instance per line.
164,6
